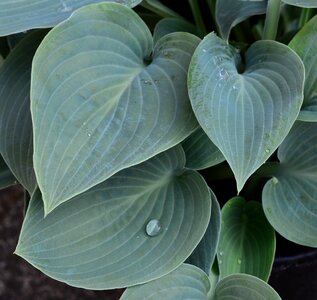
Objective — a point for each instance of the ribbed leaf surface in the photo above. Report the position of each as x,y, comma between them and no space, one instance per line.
247,240
16,143
186,282
137,226
301,3
290,199
305,45
20,15
97,106
247,115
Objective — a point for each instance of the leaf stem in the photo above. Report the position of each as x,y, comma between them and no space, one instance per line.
198,17
305,16
272,19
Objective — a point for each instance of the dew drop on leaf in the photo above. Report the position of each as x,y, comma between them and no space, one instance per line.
239,261
275,180
153,227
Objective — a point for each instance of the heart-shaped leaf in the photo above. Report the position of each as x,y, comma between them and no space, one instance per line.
247,115
204,254
201,152
301,3
6,176
22,15
231,13
244,287
16,143
186,282
305,45
169,25
247,240
138,225
290,198
97,106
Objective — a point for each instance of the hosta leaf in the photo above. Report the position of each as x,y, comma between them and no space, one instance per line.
290,198
244,287
6,176
22,15
186,282
137,226
230,13
16,144
301,3
204,254
97,107
169,25
201,152
248,114
159,8
247,240
305,45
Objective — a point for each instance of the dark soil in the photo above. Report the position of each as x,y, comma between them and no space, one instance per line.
18,279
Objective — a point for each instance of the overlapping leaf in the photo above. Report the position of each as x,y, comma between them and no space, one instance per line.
301,3
305,45
204,254
230,13
21,15
201,152
186,282
247,240
247,114
6,176
290,199
16,143
97,106
102,239
189,282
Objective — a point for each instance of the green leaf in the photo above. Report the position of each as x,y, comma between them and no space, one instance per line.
97,106
231,13
247,240
305,45
248,114
301,3
244,287
16,143
169,25
186,282
26,14
137,226
6,176
201,152
159,8
204,254
290,198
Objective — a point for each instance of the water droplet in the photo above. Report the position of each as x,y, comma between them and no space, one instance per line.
220,253
153,227
137,236
239,261
89,134
267,150
147,82
234,87
84,124
204,50
223,74
275,180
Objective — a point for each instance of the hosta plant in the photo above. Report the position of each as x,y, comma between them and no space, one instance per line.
119,118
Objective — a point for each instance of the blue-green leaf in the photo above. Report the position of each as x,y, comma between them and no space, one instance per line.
305,45
137,226
290,198
186,282
247,240
231,13
98,106
16,143
301,3
201,152
6,176
204,254
244,287
246,114
21,15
